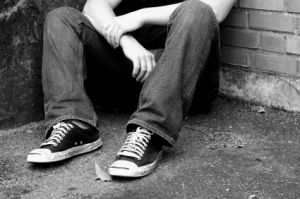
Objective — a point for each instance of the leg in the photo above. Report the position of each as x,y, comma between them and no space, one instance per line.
63,69
68,37
168,92
69,116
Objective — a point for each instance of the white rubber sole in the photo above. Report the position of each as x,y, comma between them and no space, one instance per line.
45,155
122,168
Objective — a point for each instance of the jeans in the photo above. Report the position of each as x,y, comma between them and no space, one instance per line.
81,69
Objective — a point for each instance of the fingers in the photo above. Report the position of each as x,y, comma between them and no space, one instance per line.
113,33
107,34
153,60
136,68
147,63
150,65
143,70
143,60
119,33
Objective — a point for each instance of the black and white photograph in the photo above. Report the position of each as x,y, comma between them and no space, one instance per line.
149,99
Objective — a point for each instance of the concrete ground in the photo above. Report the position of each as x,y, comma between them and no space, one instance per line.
231,152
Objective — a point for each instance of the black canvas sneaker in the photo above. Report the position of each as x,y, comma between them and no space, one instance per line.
66,140
138,156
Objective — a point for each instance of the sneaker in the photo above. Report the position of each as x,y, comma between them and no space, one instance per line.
138,156
66,140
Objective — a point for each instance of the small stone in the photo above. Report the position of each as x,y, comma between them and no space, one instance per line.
258,109
253,196
211,137
29,131
213,147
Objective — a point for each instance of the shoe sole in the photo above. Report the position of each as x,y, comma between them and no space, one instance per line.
58,156
137,172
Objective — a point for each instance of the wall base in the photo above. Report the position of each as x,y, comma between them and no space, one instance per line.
259,87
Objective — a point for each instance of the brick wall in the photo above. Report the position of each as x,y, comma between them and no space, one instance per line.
263,35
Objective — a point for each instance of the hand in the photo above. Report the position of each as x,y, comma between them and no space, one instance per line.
121,25
142,59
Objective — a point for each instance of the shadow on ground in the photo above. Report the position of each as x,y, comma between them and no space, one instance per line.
231,152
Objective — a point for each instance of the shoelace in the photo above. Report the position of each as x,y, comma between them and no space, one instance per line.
136,143
59,132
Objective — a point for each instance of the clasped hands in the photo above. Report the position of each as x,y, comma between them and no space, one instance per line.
115,32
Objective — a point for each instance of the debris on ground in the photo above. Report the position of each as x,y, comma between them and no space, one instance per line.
101,174
258,109
253,196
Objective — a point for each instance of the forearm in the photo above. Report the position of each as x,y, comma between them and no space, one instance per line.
157,15
100,12
161,15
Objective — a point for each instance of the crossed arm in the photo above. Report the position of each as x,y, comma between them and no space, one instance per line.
115,29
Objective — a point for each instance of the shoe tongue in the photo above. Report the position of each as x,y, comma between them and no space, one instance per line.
50,140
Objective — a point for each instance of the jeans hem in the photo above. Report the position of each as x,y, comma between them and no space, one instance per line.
154,129
68,117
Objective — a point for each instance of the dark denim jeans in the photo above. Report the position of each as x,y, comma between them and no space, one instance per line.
81,69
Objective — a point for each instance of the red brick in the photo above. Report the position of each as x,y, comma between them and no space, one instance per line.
237,18
273,62
273,42
271,21
293,6
277,5
240,38
234,56
293,45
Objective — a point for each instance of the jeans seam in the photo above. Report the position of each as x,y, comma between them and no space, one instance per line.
80,74
193,85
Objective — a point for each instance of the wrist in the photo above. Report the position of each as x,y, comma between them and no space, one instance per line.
125,39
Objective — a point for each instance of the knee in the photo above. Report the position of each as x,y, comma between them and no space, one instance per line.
58,18
58,13
196,13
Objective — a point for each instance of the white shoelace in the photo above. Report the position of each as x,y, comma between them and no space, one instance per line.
58,133
136,143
